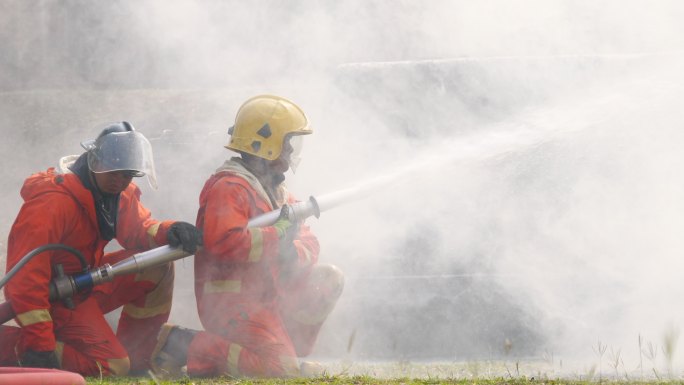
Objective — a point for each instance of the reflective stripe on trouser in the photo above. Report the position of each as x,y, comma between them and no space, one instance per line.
146,298
305,308
257,347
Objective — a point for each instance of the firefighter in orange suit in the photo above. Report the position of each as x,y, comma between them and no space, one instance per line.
85,203
261,294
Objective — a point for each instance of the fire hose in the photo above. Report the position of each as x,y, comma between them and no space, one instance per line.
63,287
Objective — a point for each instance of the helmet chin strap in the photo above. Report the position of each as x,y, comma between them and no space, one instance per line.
278,179
268,177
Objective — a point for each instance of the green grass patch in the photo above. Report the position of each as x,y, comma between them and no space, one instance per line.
362,380
484,372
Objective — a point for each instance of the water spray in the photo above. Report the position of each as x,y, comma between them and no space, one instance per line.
299,211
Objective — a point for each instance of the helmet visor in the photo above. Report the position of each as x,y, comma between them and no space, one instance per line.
123,151
297,143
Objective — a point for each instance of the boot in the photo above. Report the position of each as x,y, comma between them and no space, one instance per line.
170,355
312,369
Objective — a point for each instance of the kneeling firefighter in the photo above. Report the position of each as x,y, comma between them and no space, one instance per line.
84,203
261,294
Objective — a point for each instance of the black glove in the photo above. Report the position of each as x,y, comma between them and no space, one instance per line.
185,234
33,359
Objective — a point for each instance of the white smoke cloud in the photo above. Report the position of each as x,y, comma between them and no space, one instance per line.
545,210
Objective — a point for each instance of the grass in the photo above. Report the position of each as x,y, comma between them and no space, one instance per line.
484,372
361,380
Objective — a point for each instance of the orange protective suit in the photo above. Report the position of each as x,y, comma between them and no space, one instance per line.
59,209
258,314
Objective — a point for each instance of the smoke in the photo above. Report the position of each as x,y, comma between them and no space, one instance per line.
533,149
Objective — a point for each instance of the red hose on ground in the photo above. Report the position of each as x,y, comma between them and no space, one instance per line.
37,376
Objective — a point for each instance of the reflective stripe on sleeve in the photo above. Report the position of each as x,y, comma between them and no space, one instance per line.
34,317
152,232
257,246
224,286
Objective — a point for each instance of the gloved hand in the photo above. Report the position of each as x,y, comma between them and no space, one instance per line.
287,232
34,359
286,228
185,234
283,225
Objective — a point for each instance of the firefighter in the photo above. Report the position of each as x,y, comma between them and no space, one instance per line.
261,294
85,203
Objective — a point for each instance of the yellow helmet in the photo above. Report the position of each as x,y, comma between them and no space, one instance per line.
263,123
